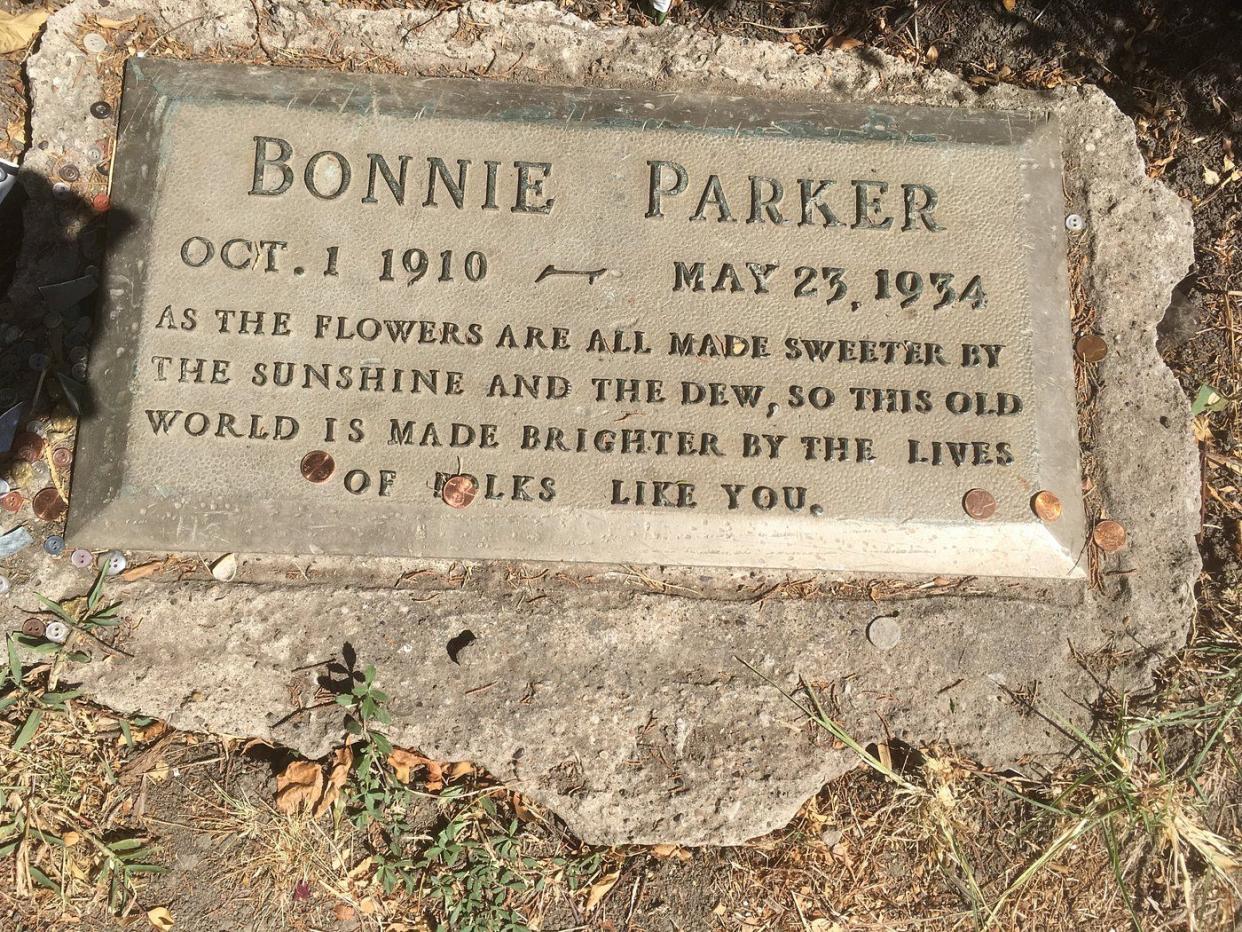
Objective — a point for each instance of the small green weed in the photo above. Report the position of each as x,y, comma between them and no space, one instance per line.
45,790
472,872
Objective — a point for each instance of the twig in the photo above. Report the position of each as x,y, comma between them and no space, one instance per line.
786,30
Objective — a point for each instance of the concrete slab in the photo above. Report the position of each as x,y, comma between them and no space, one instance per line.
624,697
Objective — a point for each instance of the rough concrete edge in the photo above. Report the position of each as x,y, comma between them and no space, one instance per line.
671,56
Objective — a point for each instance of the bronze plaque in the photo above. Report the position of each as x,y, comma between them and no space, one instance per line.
469,319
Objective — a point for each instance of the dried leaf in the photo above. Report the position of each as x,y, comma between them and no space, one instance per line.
403,762
337,778
521,810
343,912
460,769
600,889
1010,5
1210,177
300,786
17,30
844,43
160,918
142,570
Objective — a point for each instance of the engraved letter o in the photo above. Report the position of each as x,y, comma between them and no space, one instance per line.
209,251
342,167
357,481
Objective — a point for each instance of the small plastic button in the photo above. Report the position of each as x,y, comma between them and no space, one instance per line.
114,563
57,632
55,545
4,584
81,558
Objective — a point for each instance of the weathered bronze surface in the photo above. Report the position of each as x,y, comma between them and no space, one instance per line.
641,327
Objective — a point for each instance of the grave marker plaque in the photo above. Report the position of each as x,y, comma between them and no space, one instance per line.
447,318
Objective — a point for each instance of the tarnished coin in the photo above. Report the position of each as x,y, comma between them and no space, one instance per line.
28,446
1046,505
1091,348
318,466
62,457
979,504
1109,536
48,505
459,491
33,627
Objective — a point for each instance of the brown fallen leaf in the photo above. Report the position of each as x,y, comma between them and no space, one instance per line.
403,762
17,30
600,889
103,23
142,570
460,769
844,43
160,918
664,852
337,778
300,786
343,912
149,760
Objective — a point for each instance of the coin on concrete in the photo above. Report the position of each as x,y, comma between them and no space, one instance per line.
1109,536
48,505
318,466
1046,505
459,491
980,504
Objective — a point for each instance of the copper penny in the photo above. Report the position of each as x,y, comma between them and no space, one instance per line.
1046,505
1091,348
62,457
48,505
28,446
11,501
318,466
1109,536
979,504
459,491
33,627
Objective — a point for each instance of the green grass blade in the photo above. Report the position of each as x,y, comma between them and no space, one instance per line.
28,730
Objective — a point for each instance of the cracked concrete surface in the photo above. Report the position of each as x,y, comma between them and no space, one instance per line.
625,699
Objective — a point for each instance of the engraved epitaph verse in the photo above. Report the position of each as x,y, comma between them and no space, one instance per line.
552,324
